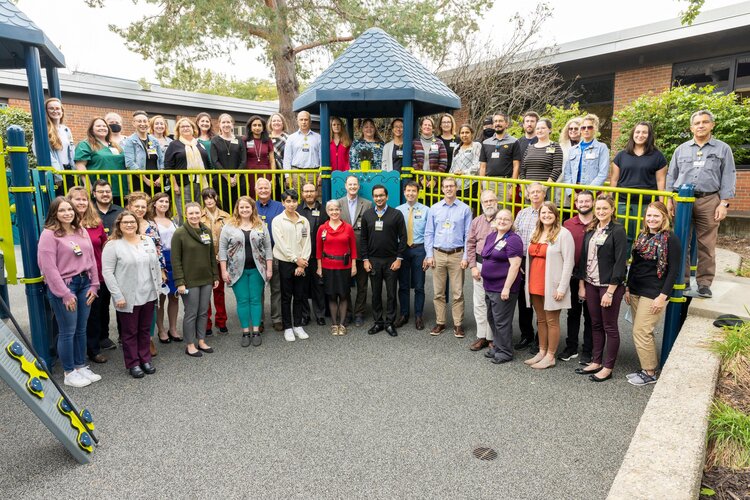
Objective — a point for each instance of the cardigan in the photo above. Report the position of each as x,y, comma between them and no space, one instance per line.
121,274
437,159
193,261
292,239
232,250
612,255
560,261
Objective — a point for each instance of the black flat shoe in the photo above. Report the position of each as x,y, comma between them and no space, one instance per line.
594,378
207,350
148,368
174,338
584,371
165,341
321,321
500,361
196,354
224,329
136,372
523,344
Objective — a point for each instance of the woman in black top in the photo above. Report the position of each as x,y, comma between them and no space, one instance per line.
601,271
543,160
448,136
653,272
640,166
186,153
227,153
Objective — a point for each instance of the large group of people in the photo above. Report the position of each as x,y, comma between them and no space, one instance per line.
143,259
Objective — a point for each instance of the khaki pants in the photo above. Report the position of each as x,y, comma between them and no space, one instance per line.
480,308
707,232
448,266
643,331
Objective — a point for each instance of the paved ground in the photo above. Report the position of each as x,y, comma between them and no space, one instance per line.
336,417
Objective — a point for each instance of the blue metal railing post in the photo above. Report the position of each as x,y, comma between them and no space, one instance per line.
325,153
29,236
682,228
407,163
38,113
53,82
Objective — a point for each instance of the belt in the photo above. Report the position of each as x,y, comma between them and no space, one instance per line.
450,251
702,194
479,258
416,245
336,257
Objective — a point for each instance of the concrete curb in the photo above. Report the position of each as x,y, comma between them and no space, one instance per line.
666,456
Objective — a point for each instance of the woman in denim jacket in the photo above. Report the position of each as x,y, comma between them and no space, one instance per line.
588,162
143,151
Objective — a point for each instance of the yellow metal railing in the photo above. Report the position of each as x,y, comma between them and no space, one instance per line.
6,225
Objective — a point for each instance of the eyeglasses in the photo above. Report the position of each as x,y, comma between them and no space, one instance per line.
128,222
573,128
587,127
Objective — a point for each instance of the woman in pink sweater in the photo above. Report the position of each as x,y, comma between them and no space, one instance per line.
66,259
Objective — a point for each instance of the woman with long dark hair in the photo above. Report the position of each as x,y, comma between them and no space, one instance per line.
448,134
260,153
205,131
214,218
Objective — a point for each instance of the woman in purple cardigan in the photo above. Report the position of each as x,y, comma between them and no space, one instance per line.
501,264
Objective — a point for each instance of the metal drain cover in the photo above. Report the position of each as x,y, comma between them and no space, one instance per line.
485,453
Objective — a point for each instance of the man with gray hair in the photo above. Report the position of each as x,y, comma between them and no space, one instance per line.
707,163
302,151
480,227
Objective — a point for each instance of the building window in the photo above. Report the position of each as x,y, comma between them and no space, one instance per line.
701,73
597,95
239,130
742,76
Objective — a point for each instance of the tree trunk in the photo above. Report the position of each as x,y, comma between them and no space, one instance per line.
287,85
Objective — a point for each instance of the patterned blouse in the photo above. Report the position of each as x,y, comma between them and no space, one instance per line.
152,231
279,143
360,145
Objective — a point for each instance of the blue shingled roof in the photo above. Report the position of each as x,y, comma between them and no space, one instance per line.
17,30
370,75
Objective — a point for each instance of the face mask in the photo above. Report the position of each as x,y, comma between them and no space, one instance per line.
487,133
116,128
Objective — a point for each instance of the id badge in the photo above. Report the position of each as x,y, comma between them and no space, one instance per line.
590,155
500,245
324,234
434,147
250,145
205,238
699,163
235,141
304,232
600,240
378,225
152,152
550,149
76,249
114,150
399,153
495,154
417,214
453,144
316,213
447,224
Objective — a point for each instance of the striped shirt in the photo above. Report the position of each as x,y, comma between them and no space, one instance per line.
541,164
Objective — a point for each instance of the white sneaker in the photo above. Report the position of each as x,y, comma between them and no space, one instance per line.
289,335
300,332
75,379
86,372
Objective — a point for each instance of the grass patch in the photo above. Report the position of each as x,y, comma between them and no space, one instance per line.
743,271
728,437
734,350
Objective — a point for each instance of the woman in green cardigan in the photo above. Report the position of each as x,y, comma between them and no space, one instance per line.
195,275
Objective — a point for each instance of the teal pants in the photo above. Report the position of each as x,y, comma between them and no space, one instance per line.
249,293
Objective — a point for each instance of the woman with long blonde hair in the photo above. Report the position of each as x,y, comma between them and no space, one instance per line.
61,146
340,144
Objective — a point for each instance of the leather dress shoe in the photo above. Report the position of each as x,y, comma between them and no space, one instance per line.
375,329
437,329
305,321
523,344
458,332
136,372
401,321
584,371
278,327
148,368
321,321
479,344
98,358
419,323
390,330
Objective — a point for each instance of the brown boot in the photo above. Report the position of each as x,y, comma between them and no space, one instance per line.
152,348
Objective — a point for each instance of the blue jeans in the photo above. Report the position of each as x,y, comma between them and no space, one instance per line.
410,276
71,339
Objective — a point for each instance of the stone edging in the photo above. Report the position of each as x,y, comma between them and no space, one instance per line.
666,456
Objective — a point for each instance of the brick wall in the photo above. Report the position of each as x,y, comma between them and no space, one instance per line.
629,85
741,202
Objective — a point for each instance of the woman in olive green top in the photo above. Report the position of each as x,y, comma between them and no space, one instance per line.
98,152
195,274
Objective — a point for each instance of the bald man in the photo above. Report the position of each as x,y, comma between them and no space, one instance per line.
302,152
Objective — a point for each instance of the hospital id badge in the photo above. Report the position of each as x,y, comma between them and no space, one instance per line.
601,239
434,147
151,151
378,225
590,155
500,245
447,224
205,238
699,163
495,154
316,213
551,149
76,249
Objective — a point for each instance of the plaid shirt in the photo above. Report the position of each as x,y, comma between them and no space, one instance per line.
525,223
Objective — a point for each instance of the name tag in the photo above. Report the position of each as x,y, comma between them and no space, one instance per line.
551,149
205,238
453,144
324,234
699,163
250,145
378,225
434,147
417,214
495,154
76,249
447,224
600,240
399,153
304,232
305,149
590,155
316,213
359,224
113,150
235,141
152,152
500,245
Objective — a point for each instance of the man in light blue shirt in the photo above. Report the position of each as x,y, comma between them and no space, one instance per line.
302,151
445,235
411,274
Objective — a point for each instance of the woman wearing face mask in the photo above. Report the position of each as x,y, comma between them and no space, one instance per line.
653,272
371,142
130,265
195,274
66,260
246,265
115,124
99,152
61,146
214,218
501,264
393,151
260,153
466,162
228,153
160,213
90,221
448,136
601,272
340,144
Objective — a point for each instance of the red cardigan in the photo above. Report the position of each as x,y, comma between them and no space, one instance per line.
338,242
339,157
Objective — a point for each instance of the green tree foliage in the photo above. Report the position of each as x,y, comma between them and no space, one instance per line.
669,112
694,7
17,116
182,32
559,115
210,82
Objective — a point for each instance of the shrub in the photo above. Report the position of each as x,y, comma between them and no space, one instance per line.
16,116
558,114
669,112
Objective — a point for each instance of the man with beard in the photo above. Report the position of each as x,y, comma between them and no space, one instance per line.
312,210
501,154
480,227
530,118
577,227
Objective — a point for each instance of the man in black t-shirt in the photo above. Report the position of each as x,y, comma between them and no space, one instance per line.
530,119
500,155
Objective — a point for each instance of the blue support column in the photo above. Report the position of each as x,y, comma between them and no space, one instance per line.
53,82
29,236
682,227
350,127
38,113
407,162
325,152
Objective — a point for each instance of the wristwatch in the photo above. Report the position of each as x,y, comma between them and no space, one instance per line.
726,204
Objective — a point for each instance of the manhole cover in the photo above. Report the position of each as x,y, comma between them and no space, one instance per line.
485,453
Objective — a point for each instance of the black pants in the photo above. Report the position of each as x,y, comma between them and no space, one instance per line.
361,280
93,327
525,313
574,321
381,271
313,291
292,294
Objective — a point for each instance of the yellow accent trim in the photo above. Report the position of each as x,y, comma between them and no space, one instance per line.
76,422
6,226
25,189
678,287
685,199
693,268
28,366
17,149
677,299
31,281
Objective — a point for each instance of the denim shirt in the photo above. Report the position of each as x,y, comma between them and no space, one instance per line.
594,165
135,153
